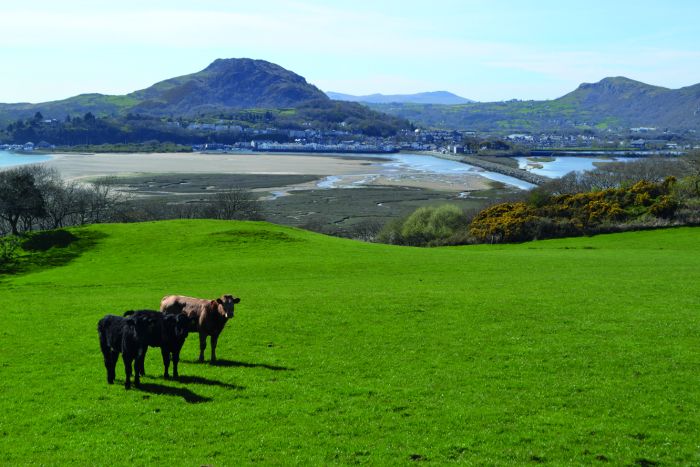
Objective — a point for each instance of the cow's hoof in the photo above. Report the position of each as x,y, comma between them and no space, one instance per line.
110,381
127,386
166,376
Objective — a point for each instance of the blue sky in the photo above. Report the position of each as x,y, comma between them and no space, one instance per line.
483,50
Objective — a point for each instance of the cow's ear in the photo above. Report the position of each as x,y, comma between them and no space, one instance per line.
214,304
236,300
218,300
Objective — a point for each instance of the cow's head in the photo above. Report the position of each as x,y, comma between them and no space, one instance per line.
176,325
225,305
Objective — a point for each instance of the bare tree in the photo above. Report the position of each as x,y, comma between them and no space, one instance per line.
20,198
235,204
616,174
188,210
366,230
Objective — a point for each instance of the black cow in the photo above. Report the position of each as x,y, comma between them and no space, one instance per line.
165,331
126,336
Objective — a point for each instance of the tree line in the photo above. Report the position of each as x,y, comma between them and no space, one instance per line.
133,128
37,198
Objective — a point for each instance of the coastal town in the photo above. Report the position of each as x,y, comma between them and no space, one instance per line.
637,141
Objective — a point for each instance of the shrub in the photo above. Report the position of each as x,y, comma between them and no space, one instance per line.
439,225
9,249
391,232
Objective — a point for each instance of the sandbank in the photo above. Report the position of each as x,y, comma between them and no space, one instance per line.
352,171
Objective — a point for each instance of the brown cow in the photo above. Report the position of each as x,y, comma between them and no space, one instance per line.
209,316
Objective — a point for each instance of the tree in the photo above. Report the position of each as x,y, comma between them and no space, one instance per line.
693,164
19,197
236,204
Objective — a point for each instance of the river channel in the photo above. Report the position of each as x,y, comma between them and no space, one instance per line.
404,165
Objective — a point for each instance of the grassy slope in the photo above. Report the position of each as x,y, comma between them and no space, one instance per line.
563,351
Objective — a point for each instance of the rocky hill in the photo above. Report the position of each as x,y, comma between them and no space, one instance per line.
227,84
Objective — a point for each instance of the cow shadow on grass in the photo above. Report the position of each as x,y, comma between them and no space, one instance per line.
189,396
237,364
208,382
222,362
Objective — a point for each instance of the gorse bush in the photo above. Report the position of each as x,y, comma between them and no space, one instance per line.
585,213
505,222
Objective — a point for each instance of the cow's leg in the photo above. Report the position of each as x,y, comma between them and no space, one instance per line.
214,340
202,346
110,357
106,354
177,347
138,361
141,362
137,376
165,352
127,370
176,359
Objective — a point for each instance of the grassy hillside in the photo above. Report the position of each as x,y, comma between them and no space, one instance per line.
98,104
618,103
571,351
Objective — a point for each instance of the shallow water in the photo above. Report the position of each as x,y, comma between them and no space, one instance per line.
431,164
405,164
328,182
10,159
561,166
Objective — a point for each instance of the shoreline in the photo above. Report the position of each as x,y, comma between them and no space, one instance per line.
519,174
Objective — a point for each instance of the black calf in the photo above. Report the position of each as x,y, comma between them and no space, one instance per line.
165,331
125,336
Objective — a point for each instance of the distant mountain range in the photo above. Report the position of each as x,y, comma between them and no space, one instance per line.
436,97
612,103
230,86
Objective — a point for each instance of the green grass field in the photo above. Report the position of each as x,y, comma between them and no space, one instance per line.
574,351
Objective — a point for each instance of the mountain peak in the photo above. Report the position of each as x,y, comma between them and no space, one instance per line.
233,65
233,83
614,84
